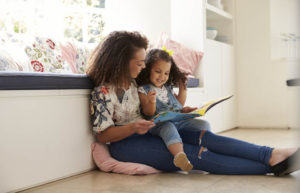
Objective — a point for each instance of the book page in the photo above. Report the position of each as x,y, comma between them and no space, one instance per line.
202,110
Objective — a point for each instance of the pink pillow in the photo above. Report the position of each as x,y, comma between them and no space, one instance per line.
68,52
186,59
76,55
106,163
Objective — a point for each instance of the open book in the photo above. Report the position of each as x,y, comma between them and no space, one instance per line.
168,116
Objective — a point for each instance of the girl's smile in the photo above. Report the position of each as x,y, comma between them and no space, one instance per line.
160,73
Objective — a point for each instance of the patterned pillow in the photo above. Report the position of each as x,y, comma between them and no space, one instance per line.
83,53
13,58
6,62
45,56
186,59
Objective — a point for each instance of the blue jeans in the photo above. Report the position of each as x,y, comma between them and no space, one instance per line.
221,155
169,131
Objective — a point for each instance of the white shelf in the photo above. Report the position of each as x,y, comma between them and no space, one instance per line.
219,42
214,13
196,89
192,89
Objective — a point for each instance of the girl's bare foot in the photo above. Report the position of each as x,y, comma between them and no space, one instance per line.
280,154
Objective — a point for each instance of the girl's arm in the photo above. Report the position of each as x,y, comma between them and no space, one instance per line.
148,103
117,133
181,97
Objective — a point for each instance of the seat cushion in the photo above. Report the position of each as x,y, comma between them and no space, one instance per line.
43,81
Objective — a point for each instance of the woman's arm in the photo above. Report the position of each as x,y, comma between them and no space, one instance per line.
117,133
181,97
148,103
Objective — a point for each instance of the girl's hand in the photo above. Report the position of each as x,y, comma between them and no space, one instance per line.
142,126
188,109
182,84
181,97
151,96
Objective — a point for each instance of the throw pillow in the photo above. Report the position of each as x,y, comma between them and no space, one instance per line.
45,56
185,58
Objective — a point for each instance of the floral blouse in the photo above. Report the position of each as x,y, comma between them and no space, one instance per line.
111,109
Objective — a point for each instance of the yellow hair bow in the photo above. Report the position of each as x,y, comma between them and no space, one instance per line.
170,52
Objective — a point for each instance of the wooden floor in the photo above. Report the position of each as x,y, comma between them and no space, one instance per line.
100,182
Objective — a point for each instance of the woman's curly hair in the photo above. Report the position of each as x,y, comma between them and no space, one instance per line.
109,62
152,57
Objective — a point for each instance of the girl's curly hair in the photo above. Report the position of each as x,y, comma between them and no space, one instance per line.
152,57
109,62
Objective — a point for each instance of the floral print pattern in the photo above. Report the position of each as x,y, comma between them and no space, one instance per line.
37,66
51,44
82,55
44,53
107,110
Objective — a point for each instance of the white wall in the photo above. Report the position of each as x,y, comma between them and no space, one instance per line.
187,24
261,84
149,17
285,18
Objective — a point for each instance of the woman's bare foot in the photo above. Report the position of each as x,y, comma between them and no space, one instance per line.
280,154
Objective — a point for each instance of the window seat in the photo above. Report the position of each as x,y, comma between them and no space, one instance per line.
45,129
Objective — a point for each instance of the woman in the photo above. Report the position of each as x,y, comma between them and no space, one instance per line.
116,117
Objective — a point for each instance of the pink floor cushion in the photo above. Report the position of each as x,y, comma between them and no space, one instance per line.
106,163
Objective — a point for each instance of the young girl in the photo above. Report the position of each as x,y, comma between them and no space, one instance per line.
157,79
155,92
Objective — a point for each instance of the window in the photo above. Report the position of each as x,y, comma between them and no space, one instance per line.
83,20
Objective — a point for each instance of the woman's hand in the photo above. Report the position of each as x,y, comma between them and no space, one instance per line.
142,126
188,109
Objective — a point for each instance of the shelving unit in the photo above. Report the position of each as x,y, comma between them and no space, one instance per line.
216,71
219,63
221,20
217,13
